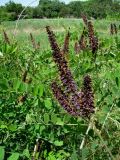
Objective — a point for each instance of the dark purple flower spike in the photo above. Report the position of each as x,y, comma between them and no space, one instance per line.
74,102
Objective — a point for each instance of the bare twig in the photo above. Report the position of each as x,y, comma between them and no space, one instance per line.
21,15
87,131
115,121
86,134
107,116
35,149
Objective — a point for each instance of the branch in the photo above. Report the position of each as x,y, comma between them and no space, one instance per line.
86,134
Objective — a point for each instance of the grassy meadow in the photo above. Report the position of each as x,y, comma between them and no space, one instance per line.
33,125
59,26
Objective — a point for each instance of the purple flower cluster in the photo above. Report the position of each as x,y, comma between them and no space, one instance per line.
34,43
66,43
93,40
63,99
87,97
80,103
74,102
82,41
85,20
65,73
88,32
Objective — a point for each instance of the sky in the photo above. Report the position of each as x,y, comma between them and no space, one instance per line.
27,3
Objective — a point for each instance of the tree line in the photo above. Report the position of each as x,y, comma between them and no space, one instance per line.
55,8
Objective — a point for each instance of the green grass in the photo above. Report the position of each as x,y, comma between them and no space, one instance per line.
60,26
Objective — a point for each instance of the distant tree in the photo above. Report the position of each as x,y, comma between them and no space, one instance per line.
4,15
115,11
14,8
97,8
76,8
51,8
56,8
65,11
37,12
29,12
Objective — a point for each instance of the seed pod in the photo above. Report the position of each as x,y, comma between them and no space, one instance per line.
6,38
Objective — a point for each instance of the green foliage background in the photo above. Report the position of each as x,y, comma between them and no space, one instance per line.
54,8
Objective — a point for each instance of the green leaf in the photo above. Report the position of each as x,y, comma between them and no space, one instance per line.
42,129
16,84
29,118
3,126
51,156
14,50
37,127
35,90
26,153
48,103
46,118
66,118
2,153
105,109
117,81
58,143
3,86
12,127
101,119
59,122
109,100
53,118
93,146
14,156
23,87
41,90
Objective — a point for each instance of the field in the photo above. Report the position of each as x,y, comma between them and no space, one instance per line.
37,28
33,125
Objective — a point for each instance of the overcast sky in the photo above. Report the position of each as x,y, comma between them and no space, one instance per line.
26,2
